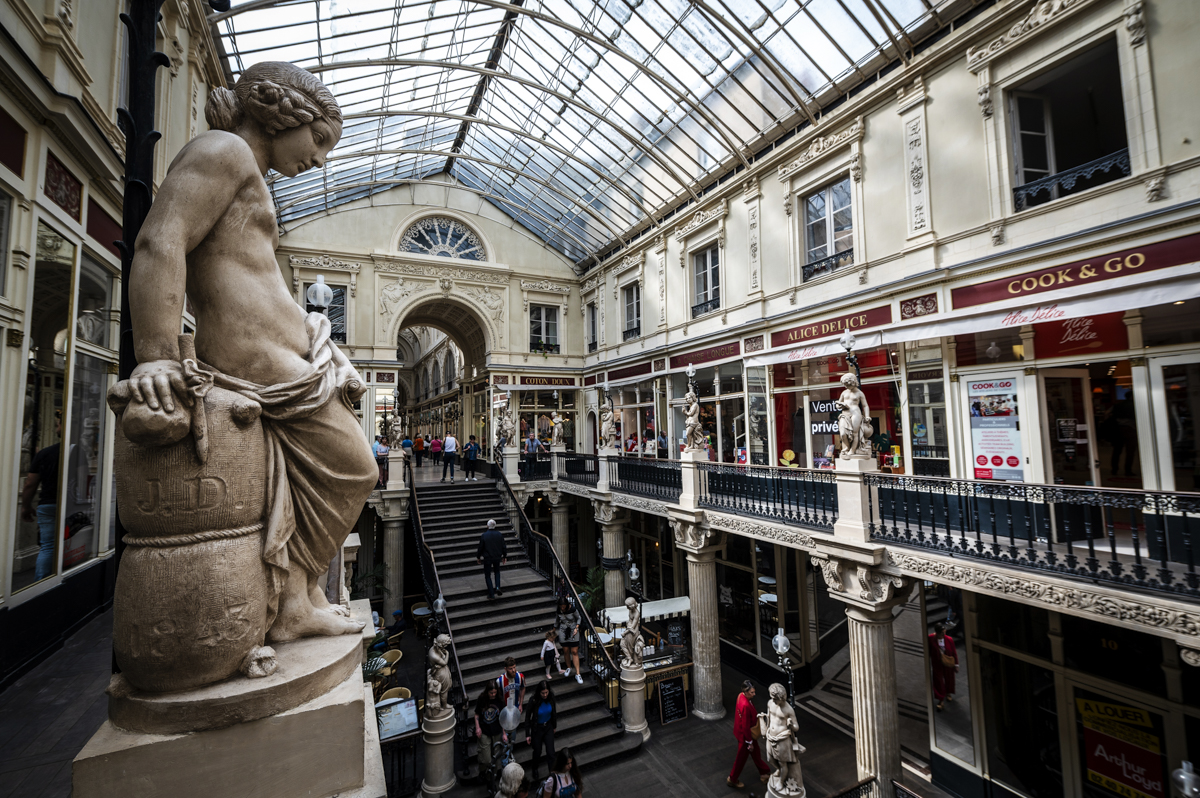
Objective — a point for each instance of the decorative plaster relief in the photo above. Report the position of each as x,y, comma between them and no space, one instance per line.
997,235
1082,600
985,100
762,531
545,285
692,535
701,218
1135,23
393,293
660,364
660,248
603,511
325,262
1190,656
822,146
644,505
918,306
752,221
754,344
422,270
1156,188
1043,13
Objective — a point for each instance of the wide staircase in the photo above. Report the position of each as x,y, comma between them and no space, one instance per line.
514,624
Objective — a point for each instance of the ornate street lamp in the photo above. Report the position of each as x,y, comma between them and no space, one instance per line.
848,341
635,575
782,645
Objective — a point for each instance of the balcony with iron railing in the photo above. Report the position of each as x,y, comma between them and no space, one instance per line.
543,348
593,346
646,476
578,469
1070,181
706,307
632,332
796,496
829,265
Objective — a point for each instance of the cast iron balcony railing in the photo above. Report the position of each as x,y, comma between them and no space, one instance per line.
632,332
581,469
1136,538
593,345
706,307
540,347
820,268
646,476
798,496
1114,166
534,466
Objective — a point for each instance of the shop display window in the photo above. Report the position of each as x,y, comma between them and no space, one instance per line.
736,606
1173,323
1021,725
1016,626
1181,388
981,349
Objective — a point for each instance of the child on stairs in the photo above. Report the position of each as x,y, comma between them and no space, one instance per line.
551,653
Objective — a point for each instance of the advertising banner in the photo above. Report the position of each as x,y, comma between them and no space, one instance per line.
995,429
1122,748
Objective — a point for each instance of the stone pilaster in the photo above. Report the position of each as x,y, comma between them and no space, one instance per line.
393,557
690,475
633,701
852,497
701,544
559,534
870,597
612,527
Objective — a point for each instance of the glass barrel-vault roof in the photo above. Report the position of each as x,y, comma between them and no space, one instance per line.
584,120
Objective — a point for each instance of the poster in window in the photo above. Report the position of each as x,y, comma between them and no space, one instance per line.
1122,746
995,429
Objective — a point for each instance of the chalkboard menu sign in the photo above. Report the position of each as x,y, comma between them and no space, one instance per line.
675,632
672,700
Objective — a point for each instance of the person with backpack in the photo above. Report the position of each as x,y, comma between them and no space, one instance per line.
407,446
541,719
470,457
449,450
564,780
435,450
512,682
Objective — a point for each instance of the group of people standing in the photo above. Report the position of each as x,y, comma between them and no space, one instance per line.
541,719
445,451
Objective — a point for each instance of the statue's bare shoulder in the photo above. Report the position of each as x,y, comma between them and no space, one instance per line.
217,152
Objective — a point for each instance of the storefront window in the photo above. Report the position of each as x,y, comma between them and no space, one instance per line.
736,599
536,411
85,461
1173,323
791,437
38,523
756,422
722,417
999,346
951,686
1181,385
1021,722
927,409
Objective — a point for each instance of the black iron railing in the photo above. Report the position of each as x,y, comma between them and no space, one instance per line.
632,332
546,562
1137,538
439,624
535,466
900,791
581,469
646,476
706,307
860,789
837,260
593,346
797,496
930,467
543,348
1113,166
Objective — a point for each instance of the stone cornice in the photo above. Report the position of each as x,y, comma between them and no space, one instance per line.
644,505
1141,612
701,218
423,270
1043,14
546,286
821,146
323,262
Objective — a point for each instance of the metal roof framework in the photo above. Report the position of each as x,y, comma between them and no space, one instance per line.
583,120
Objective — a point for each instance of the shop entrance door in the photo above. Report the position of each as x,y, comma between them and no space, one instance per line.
1175,411
1068,427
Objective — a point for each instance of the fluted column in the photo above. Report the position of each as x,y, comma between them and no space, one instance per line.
870,595
612,529
559,535
393,557
701,545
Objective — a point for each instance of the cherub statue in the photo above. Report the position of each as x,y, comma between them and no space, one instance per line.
608,424
779,729
557,421
510,780
437,681
632,642
854,423
396,430
691,422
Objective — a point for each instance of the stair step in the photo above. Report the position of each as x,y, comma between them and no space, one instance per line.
592,754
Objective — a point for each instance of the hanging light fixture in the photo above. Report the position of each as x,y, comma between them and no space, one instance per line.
319,295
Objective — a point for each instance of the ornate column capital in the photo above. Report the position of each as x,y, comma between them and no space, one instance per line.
555,497
862,586
607,513
694,536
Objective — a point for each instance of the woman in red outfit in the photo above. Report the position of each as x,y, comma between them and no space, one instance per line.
744,721
944,657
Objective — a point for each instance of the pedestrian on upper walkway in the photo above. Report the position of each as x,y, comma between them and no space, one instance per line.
745,726
532,445
449,452
419,449
435,450
491,554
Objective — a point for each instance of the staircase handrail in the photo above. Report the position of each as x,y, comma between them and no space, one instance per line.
423,548
528,528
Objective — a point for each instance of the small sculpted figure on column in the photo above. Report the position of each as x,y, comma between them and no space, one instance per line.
695,436
783,751
854,422
608,425
437,682
632,641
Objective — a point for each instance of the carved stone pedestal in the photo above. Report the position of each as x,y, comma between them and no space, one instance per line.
633,701
776,790
853,512
324,744
438,736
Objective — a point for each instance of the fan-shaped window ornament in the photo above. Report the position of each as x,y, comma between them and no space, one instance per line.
444,237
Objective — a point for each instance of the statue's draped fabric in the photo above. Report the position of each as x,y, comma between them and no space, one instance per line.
308,508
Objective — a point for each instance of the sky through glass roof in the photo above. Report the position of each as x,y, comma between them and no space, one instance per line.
584,120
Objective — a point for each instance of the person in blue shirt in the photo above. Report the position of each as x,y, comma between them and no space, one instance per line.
541,719
470,455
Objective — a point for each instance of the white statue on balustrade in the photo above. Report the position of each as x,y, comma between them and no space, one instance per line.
632,641
779,728
696,440
608,425
854,423
557,420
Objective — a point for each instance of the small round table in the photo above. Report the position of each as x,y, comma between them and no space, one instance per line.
768,598
767,580
421,612
604,637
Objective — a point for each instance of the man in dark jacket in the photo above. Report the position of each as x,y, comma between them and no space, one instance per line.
492,553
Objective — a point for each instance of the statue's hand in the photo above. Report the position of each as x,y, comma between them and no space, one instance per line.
157,383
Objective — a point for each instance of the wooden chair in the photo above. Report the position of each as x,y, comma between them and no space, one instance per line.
391,658
397,692
393,642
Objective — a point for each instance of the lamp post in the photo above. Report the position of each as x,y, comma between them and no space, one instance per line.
635,575
691,375
782,645
848,341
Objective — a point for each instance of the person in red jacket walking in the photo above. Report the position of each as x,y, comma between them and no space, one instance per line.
744,722
943,657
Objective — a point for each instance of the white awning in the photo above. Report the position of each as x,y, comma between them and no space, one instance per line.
1127,293
651,610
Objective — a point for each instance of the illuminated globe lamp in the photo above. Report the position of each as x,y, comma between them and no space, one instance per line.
782,646
319,295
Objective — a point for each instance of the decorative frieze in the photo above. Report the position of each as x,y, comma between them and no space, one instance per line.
701,218
754,344
752,225
393,292
424,270
821,146
781,534
918,306
912,111
1135,22
643,505
660,249
545,285
1043,13
324,262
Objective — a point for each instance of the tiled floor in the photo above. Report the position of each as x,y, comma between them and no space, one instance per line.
48,715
